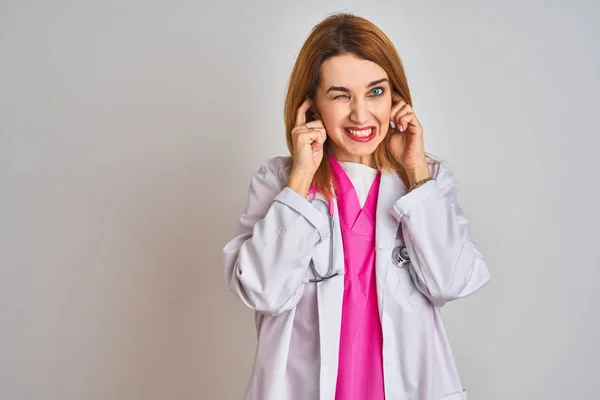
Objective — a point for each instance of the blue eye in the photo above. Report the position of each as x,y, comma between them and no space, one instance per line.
378,88
373,94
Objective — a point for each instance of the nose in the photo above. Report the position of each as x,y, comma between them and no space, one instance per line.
359,112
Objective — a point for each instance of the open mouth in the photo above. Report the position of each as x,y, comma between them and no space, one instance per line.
362,135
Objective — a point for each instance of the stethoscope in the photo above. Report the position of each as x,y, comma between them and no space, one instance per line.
400,256
329,273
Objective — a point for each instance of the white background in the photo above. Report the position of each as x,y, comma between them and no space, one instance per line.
128,135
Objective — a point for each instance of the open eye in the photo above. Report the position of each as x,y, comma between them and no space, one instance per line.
380,89
376,94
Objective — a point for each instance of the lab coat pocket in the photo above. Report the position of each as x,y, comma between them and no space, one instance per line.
400,263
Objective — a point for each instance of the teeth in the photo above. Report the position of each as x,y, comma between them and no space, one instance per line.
363,133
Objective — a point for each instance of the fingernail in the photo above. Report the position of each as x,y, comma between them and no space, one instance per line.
315,153
393,125
400,127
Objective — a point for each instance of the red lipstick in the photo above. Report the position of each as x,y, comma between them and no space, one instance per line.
361,139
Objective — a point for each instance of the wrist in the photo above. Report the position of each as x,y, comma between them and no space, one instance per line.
300,182
418,173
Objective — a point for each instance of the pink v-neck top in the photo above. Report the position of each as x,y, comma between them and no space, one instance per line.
360,370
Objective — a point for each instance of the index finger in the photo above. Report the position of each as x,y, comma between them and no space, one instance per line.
301,113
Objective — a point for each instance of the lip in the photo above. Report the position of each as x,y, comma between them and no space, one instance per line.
361,139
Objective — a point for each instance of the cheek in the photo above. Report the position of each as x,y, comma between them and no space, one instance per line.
333,119
383,117
333,114
383,113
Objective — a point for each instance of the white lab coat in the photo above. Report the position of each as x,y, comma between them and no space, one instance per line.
267,265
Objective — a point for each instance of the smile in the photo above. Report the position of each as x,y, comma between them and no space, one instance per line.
361,135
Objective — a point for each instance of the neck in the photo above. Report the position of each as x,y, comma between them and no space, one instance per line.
367,160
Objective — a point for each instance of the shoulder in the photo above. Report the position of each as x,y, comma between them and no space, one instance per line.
275,168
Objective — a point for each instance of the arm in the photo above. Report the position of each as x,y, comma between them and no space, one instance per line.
266,262
445,263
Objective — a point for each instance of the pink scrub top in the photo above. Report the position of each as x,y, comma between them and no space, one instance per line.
360,370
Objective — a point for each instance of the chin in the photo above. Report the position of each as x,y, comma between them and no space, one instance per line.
362,149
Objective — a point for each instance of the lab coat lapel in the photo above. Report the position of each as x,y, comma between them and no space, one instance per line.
330,295
391,188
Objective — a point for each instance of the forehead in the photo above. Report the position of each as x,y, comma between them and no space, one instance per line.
350,71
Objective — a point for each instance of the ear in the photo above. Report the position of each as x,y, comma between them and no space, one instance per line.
315,111
396,97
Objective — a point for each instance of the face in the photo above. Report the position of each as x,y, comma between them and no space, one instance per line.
354,101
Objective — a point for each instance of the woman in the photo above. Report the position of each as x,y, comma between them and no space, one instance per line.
348,248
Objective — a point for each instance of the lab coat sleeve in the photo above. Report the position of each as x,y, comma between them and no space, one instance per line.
266,262
445,263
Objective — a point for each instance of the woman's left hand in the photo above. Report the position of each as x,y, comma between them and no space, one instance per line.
407,144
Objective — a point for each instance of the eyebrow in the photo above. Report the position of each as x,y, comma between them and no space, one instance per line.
343,89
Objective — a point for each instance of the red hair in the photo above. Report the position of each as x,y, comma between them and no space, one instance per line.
340,34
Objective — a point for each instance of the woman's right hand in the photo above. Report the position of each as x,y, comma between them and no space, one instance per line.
308,140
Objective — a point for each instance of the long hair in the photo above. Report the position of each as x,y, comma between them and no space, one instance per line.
340,34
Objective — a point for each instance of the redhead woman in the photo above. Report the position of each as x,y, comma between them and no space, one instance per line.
348,248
